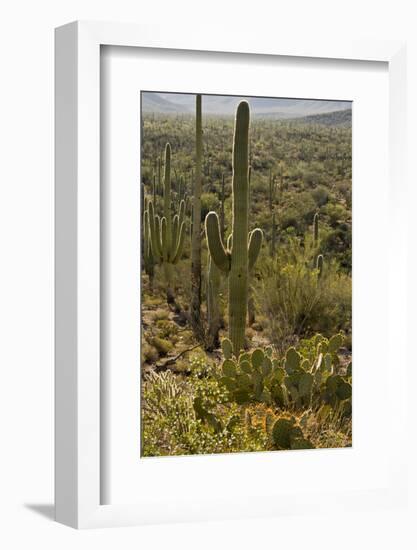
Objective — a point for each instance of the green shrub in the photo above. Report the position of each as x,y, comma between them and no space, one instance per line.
192,417
320,195
159,314
209,201
163,346
149,353
294,302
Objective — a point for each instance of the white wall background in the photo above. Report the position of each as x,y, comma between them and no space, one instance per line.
26,267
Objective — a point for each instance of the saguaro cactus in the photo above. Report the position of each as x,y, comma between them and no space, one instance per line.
196,231
319,258
148,258
319,265
222,209
168,233
237,260
271,194
316,228
273,235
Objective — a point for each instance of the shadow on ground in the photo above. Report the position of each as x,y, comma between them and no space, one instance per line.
45,510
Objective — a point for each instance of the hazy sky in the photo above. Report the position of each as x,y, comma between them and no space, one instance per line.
164,102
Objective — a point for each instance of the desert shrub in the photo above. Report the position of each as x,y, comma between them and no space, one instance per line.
192,417
149,353
209,201
299,211
161,345
159,314
336,213
337,244
167,329
295,301
320,195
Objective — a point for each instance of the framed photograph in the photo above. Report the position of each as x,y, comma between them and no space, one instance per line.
228,220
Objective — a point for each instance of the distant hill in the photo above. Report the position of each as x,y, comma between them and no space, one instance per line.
279,108
337,118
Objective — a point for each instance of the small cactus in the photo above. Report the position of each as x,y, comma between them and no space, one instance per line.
271,194
319,266
273,236
316,228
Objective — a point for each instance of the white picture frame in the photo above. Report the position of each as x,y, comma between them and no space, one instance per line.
78,410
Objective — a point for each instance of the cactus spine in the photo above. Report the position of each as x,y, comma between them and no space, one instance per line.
167,233
240,258
196,230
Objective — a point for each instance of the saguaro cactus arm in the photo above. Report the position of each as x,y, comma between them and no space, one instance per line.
164,239
217,251
319,265
154,228
254,247
180,245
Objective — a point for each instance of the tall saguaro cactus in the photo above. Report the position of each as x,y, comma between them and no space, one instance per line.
237,260
167,233
195,313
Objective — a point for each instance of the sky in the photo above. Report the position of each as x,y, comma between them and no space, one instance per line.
166,102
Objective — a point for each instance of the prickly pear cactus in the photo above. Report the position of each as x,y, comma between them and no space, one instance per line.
310,377
287,434
237,260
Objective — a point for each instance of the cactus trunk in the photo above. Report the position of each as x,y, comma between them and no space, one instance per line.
273,236
222,210
196,232
238,276
213,305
